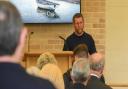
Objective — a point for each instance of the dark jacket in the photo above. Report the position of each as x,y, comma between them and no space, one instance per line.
13,76
67,79
95,83
78,86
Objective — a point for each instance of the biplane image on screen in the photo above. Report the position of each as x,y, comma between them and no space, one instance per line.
47,11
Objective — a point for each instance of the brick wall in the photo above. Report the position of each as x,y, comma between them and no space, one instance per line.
45,36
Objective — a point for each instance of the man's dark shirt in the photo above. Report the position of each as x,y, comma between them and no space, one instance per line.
73,40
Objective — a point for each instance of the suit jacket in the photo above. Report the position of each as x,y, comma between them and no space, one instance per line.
95,83
78,86
67,79
13,76
102,79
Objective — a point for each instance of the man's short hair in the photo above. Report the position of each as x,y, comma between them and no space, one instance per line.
77,15
81,48
80,70
10,28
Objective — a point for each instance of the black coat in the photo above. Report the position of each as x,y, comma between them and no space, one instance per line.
67,79
13,76
78,86
95,83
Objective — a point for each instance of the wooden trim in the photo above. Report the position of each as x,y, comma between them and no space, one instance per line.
118,85
62,53
37,54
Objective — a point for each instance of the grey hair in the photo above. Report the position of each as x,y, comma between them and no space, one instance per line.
46,58
99,65
10,28
80,70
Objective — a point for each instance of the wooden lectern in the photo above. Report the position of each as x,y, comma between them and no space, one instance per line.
64,59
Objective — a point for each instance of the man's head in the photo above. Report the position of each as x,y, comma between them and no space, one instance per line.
81,51
78,22
97,63
80,71
12,34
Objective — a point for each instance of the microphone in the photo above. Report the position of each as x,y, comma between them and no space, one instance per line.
66,48
62,38
29,37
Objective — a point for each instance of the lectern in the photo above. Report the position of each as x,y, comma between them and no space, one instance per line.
64,59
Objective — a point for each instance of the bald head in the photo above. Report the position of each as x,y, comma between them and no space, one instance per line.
97,62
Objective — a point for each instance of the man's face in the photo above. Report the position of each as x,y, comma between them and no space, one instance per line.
78,25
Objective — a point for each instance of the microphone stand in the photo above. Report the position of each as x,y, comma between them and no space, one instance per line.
29,37
62,38
65,43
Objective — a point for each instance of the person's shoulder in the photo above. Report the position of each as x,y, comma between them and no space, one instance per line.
46,84
108,87
67,73
95,82
78,86
104,86
71,36
40,82
87,34
51,69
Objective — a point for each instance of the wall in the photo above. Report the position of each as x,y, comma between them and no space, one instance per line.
45,36
116,42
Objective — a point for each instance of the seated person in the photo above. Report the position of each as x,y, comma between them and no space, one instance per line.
97,66
12,41
43,59
79,74
97,56
47,68
80,52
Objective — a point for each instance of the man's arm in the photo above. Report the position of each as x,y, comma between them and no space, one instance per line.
92,47
66,47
